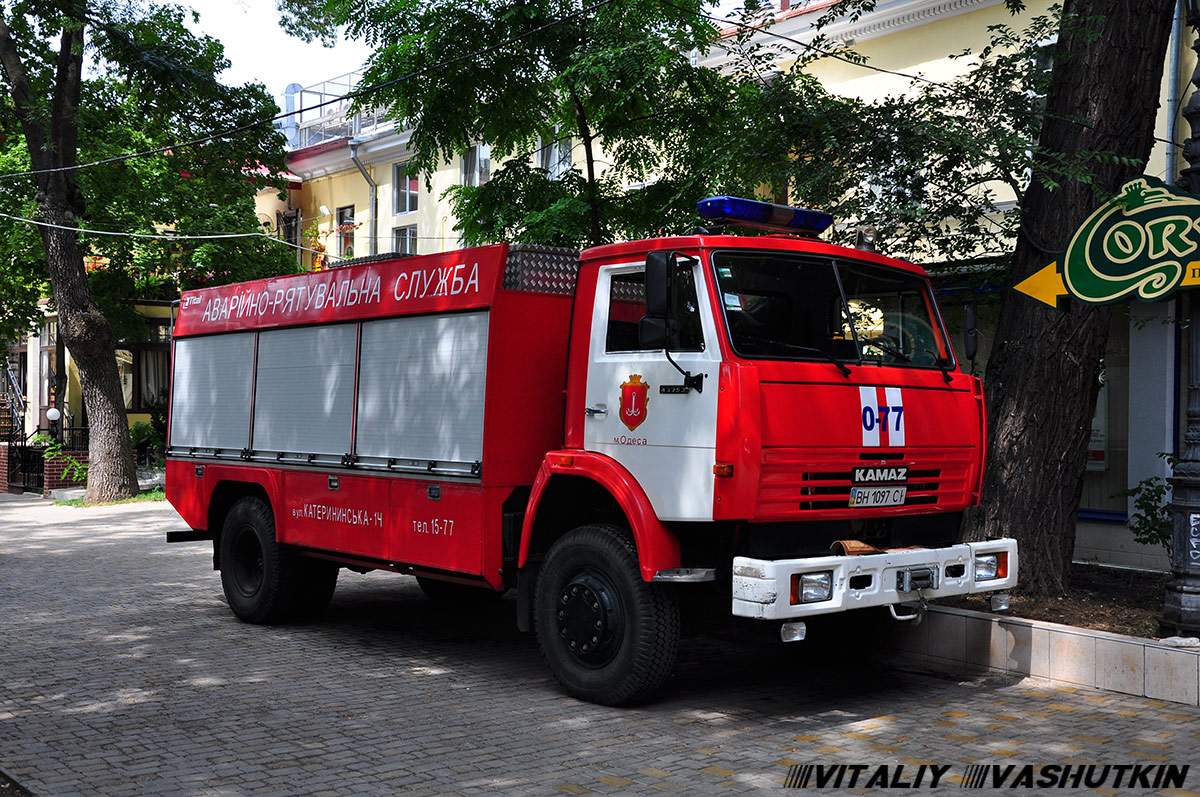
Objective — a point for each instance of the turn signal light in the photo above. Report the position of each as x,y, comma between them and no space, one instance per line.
564,460
723,471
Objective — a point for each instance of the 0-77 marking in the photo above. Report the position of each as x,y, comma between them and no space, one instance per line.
880,415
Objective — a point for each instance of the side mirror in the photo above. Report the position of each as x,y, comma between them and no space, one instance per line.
658,333
970,333
660,284
659,329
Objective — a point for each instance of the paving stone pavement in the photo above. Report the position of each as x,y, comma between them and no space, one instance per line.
123,672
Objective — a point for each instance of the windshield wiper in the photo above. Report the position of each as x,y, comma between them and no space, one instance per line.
766,343
840,365
887,348
943,364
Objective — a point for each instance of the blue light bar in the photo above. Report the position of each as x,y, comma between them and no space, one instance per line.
764,215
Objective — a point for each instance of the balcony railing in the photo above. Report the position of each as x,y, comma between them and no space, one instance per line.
307,128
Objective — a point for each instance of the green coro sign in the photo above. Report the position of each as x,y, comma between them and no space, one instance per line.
1143,243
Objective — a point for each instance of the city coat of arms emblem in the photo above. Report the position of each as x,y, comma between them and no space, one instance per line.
634,399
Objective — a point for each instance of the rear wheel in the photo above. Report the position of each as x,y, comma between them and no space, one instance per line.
608,636
256,573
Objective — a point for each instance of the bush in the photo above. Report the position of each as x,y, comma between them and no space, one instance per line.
75,470
149,440
1151,522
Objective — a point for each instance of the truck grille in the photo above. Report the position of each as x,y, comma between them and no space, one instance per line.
794,482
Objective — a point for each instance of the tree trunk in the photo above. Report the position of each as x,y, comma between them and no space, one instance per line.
1042,378
89,337
593,193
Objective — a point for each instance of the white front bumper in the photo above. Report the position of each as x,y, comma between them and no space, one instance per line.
762,588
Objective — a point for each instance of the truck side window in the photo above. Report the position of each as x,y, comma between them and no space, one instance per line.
627,305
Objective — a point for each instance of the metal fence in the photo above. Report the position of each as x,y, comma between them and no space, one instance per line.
334,121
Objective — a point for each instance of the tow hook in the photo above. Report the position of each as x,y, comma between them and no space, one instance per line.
918,611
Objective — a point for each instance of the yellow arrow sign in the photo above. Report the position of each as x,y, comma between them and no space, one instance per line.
1046,286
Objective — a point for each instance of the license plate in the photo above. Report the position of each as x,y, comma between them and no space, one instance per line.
877,496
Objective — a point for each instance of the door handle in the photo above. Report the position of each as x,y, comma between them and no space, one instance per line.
594,411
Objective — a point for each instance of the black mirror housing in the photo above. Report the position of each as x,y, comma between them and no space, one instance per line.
660,284
658,333
970,333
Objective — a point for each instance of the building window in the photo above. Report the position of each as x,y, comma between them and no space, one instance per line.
404,240
289,228
405,189
476,165
48,359
145,369
554,158
345,231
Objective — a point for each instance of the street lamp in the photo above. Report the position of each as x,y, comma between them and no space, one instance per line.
53,415
1181,604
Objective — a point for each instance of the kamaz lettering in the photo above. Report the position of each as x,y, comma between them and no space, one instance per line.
880,474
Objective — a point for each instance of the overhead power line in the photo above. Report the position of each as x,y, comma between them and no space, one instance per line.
164,236
126,234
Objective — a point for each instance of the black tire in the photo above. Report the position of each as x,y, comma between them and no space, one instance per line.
256,573
455,594
591,582
317,579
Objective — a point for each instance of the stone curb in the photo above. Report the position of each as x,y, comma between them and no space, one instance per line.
146,481
958,640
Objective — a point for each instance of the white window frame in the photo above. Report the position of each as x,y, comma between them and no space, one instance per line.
404,198
476,165
554,157
343,247
404,239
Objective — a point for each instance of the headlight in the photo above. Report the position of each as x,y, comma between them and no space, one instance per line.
812,587
990,566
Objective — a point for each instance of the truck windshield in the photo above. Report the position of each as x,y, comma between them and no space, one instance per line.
781,306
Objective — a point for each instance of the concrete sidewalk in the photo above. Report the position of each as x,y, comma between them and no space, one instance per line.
122,671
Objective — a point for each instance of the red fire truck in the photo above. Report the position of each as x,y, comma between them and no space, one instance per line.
616,436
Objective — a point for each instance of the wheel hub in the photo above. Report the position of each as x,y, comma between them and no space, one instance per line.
247,562
589,618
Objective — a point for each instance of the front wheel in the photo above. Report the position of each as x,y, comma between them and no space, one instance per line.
608,636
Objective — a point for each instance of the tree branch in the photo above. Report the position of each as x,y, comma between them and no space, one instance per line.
585,135
64,108
22,94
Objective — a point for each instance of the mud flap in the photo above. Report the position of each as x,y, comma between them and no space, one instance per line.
526,581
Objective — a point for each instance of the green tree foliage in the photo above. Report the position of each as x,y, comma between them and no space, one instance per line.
615,73
154,84
934,167
620,76
149,83
22,265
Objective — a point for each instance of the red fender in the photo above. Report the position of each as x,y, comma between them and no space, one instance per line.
191,494
657,547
